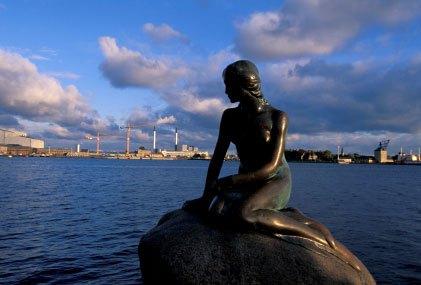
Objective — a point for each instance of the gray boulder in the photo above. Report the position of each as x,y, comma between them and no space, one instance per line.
186,249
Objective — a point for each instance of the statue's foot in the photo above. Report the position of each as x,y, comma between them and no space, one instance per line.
300,217
327,235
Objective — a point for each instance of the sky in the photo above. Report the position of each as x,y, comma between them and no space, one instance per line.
346,72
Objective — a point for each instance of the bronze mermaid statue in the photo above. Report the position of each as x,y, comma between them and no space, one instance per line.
259,193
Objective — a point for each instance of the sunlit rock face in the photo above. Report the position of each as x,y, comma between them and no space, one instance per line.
186,249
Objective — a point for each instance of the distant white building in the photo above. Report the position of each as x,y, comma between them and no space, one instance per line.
187,151
185,154
410,158
19,138
185,147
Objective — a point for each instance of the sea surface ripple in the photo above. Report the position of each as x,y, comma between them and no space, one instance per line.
68,221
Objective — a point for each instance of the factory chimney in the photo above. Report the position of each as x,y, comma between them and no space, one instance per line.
154,139
176,140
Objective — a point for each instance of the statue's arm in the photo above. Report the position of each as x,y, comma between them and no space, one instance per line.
279,132
217,160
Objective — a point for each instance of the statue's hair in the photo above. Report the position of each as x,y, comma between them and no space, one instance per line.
245,74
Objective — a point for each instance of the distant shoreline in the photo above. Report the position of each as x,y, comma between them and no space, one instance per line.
199,159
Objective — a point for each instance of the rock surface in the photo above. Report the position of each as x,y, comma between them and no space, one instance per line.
185,249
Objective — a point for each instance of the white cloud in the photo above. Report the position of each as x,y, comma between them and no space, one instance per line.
146,118
308,27
140,116
283,75
199,136
179,86
49,51
162,33
188,101
124,67
141,136
27,93
64,75
360,96
166,120
57,131
212,67
38,57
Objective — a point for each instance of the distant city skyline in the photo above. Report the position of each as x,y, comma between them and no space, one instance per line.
346,72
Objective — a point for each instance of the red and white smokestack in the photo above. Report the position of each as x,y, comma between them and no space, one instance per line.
154,139
176,140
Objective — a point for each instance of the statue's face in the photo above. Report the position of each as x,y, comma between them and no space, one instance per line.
232,89
232,92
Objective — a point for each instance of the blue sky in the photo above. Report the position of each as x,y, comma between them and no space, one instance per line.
346,72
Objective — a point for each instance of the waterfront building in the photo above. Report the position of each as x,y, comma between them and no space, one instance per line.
184,154
342,159
231,156
17,150
55,151
8,137
363,159
312,156
3,149
186,147
405,158
143,153
380,153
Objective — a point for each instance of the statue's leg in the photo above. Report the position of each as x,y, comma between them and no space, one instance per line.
276,222
299,216
261,207
339,247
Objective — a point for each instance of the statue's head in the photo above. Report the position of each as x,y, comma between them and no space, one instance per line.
239,76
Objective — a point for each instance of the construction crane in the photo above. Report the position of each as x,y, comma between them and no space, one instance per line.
97,141
383,144
98,138
129,128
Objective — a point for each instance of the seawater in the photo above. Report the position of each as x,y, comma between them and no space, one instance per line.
67,221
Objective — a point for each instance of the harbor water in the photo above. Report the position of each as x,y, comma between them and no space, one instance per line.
69,221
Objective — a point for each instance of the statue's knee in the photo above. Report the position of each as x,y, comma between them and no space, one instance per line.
247,214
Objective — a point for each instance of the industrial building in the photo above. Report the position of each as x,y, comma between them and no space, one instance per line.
185,147
185,151
184,154
380,153
14,138
409,158
363,159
